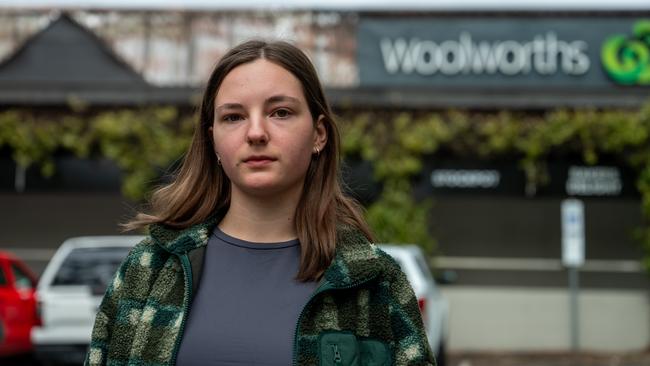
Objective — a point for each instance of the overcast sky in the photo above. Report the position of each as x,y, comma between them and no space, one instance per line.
338,4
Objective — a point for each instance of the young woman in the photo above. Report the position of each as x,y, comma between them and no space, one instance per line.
255,256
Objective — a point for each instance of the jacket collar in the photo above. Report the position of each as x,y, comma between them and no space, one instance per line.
354,261
181,241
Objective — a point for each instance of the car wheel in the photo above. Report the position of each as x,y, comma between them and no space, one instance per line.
441,354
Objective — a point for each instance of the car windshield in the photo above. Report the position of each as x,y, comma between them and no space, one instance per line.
92,267
424,268
21,279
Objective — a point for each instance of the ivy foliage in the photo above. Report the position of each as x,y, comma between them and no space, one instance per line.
396,218
143,142
397,144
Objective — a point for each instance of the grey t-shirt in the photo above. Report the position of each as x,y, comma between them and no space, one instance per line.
247,304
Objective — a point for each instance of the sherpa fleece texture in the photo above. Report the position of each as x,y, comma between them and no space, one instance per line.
141,318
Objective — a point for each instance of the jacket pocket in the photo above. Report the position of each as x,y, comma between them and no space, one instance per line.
343,348
338,349
374,352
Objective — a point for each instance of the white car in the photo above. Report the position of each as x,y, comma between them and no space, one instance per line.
433,306
69,292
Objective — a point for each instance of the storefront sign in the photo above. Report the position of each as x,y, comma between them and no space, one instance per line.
503,52
507,178
467,177
578,180
593,181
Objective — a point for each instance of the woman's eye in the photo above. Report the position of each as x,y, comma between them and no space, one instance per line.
281,113
231,118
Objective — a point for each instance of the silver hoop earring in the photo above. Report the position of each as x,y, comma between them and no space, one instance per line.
218,160
317,151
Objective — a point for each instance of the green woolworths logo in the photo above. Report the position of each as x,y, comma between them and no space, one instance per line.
627,59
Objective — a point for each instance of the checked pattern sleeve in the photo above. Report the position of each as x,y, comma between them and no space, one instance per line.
108,310
411,346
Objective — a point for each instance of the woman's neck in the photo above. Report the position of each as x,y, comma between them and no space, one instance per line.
261,219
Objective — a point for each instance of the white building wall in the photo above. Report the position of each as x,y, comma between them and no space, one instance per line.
537,319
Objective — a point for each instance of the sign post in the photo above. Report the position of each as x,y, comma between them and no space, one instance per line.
573,257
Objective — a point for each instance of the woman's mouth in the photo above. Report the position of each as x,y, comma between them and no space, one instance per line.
258,161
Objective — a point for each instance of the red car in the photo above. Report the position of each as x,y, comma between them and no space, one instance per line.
17,305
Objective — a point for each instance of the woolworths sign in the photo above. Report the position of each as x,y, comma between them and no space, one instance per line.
543,55
503,52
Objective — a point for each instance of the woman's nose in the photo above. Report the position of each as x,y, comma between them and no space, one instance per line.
257,131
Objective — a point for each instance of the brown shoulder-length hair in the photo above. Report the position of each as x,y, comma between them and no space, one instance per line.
201,188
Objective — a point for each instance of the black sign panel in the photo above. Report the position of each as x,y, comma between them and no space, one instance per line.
466,177
565,179
580,180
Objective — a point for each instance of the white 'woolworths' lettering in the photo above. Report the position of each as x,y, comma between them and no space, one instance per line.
545,55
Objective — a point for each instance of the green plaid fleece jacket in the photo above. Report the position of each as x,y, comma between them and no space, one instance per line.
363,313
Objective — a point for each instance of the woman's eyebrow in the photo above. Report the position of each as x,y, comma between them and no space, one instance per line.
281,98
269,100
229,106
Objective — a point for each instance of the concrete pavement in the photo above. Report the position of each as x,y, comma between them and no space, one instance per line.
550,359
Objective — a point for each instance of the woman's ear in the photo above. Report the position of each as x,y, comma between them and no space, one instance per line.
320,133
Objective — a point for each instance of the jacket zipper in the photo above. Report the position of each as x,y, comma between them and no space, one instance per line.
322,288
337,354
187,270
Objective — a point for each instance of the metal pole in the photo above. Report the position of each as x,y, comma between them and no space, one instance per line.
573,303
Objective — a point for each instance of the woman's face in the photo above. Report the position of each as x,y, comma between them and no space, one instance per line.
263,130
